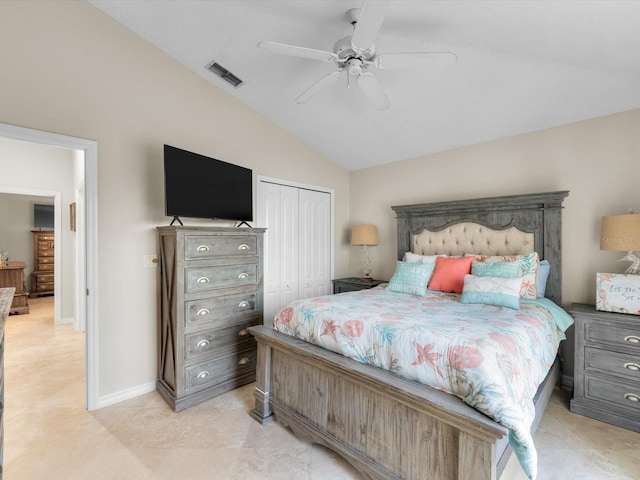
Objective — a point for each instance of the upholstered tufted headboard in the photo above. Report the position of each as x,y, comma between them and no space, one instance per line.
508,225
470,237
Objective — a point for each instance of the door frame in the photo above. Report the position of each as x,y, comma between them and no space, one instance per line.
90,149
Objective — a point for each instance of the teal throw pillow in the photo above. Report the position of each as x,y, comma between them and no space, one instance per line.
496,269
411,278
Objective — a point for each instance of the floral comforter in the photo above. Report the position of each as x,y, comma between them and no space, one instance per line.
493,358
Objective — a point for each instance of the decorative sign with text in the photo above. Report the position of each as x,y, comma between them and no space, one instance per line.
618,293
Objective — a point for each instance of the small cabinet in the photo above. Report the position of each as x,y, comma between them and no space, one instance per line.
42,277
12,275
606,382
210,294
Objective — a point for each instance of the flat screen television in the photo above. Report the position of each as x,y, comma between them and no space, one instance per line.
43,216
197,186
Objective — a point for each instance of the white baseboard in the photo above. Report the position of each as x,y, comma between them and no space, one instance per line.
65,321
123,395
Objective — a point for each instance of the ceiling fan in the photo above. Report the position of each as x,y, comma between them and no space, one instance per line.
355,54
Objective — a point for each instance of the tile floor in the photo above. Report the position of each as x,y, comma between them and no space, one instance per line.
49,435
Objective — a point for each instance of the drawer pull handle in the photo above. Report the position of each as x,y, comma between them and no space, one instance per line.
243,275
203,375
244,246
203,311
203,280
243,332
632,339
243,304
632,366
203,248
203,343
632,397
245,360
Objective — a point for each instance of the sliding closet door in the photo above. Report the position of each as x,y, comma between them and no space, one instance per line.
269,214
278,212
289,239
297,244
315,243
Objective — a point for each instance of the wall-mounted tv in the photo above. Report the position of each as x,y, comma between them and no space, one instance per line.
43,216
197,186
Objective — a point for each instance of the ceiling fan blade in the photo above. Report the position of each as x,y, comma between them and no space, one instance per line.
369,22
373,90
414,60
295,51
321,84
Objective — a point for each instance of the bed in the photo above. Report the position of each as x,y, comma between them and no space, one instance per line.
388,426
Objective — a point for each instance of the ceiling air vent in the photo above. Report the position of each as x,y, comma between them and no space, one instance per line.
224,73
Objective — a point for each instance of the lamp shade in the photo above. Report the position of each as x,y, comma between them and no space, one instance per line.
620,233
364,235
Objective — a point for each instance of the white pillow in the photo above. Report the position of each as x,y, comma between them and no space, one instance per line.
410,257
499,291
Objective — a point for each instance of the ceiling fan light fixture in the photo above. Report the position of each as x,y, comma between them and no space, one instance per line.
354,66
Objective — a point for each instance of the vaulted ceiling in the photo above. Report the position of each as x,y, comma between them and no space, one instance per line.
521,66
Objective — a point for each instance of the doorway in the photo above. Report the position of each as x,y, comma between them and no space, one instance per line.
87,270
18,204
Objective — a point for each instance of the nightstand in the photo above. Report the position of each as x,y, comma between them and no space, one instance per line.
352,284
606,379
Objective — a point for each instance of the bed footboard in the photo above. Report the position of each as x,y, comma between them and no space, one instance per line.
386,426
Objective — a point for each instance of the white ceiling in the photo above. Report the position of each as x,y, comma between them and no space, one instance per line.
522,66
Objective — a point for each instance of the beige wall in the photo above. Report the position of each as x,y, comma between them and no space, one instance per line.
597,160
70,69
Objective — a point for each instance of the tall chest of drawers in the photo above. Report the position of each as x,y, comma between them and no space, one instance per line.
606,381
210,292
42,277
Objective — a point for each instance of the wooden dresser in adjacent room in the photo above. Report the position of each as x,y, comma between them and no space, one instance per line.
210,291
42,277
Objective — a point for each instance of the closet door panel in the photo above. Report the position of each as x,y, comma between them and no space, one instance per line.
297,244
270,216
289,252
315,243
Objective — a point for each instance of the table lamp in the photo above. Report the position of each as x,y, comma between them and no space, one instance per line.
621,233
365,235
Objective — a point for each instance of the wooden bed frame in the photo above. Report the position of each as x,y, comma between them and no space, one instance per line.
386,426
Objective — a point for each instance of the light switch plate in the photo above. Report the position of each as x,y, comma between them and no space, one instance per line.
151,260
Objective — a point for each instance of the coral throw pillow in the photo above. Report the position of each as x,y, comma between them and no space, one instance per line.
448,275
